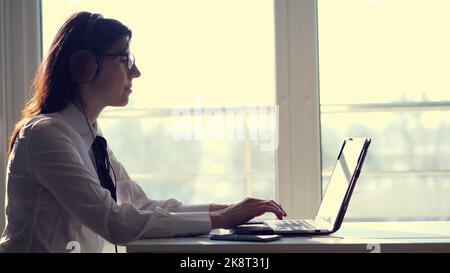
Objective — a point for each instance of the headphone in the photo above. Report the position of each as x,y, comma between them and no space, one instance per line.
84,64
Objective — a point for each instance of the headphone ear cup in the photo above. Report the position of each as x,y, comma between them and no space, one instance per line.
83,66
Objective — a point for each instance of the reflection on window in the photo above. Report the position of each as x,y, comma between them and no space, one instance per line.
383,74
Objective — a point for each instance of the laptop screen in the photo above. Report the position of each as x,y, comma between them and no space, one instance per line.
340,179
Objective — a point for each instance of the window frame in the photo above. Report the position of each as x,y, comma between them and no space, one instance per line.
298,157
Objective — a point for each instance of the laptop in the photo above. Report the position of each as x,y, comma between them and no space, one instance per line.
334,203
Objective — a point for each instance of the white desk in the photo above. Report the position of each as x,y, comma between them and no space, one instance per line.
352,237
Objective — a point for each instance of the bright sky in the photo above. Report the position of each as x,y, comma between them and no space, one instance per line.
219,50
223,50
384,50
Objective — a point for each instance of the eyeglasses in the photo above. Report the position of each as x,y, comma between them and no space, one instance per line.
126,57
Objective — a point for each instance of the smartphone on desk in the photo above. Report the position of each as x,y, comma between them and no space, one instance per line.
245,237
253,229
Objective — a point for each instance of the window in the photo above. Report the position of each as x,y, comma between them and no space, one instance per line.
203,111
384,74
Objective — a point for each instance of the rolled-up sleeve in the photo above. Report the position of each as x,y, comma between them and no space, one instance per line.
57,165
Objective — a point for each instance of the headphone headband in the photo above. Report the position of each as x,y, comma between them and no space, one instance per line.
90,27
84,64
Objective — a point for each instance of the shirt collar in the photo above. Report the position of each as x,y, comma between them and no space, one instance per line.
76,119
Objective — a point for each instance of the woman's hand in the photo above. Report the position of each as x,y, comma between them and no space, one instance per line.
249,208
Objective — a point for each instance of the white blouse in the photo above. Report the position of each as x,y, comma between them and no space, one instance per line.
55,201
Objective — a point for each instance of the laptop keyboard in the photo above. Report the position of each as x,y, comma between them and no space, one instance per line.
293,225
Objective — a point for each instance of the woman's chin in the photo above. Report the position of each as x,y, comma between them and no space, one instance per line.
126,97
121,103
124,102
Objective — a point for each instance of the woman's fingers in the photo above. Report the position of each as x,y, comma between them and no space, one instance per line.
279,207
245,210
267,205
285,214
250,200
270,207
276,205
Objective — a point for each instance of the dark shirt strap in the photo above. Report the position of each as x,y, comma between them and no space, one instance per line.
99,147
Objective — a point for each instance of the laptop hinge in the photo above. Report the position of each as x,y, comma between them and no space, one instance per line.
323,225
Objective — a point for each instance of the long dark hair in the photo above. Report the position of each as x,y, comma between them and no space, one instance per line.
53,88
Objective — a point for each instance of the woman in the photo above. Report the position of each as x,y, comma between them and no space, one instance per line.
63,184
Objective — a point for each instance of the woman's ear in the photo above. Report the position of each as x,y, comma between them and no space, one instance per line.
83,66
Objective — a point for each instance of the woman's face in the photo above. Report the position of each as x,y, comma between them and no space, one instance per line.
114,81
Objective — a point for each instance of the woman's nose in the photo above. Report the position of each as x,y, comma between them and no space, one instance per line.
135,73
